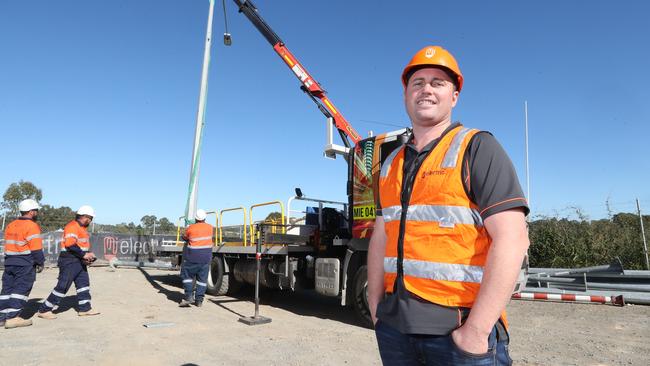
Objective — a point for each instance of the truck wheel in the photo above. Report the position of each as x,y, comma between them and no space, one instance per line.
215,277
360,303
219,282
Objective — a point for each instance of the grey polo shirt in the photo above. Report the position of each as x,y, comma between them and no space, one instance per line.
493,186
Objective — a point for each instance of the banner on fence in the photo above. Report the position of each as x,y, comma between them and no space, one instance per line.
106,246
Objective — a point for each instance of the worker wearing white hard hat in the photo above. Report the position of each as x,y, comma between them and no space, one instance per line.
74,258
28,205
197,255
200,215
86,210
23,259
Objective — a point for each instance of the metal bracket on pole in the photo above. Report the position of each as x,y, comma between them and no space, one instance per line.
331,149
257,319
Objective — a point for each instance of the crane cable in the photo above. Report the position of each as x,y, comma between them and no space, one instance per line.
225,16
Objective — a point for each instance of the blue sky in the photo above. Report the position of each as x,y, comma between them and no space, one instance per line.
98,98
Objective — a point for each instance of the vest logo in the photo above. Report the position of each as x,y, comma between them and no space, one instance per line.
433,172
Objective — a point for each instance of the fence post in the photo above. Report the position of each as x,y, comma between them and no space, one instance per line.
645,244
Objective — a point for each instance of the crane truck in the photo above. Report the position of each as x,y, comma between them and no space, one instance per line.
325,248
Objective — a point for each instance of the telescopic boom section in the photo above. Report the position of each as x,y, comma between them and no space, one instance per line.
309,85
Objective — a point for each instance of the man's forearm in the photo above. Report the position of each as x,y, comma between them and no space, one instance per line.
375,276
500,274
376,251
75,250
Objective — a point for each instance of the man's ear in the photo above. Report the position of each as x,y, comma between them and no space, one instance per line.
454,98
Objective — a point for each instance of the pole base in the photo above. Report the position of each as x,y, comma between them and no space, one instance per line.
254,320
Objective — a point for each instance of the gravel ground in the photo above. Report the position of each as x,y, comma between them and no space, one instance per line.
306,329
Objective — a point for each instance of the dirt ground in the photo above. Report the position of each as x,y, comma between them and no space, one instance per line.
306,329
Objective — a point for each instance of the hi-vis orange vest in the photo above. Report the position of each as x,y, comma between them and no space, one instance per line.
199,235
22,237
73,233
445,245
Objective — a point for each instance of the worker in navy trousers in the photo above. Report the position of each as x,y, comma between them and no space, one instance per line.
74,258
197,255
23,258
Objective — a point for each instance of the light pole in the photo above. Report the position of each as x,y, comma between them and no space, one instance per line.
527,166
192,194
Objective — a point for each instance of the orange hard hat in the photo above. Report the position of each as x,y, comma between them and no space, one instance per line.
433,56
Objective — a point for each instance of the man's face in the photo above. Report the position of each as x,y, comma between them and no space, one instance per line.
85,220
429,97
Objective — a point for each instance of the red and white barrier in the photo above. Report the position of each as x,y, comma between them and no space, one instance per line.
614,300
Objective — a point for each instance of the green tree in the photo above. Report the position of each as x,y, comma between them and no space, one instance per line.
18,192
148,221
165,226
569,243
273,217
52,219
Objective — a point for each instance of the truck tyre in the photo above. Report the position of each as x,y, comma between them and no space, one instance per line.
360,302
215,278
219,282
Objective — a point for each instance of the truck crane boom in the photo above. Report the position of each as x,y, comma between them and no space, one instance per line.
309,85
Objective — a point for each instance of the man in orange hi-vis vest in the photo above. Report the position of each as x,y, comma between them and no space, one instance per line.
197,255
74,258
23,259
450,234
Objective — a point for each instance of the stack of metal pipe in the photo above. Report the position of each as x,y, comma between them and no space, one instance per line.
600,284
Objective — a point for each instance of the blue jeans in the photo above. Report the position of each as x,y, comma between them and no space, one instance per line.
198,271
397,349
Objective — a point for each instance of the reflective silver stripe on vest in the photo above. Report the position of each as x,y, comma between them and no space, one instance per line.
200,246
388,162
201,238
71,235
391,213
451,157
15,242
82,240
390,264
445,216
436,271
35,236
83,249
19,253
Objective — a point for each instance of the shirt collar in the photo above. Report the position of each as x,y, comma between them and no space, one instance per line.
433,143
